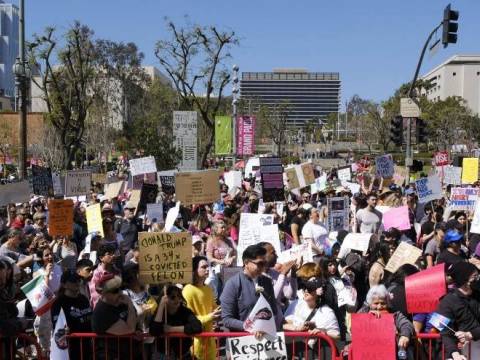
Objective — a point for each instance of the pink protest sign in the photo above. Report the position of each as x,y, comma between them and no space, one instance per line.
396,218
441,158
424,289
245,135
373,338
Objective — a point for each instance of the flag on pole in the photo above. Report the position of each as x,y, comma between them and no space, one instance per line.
59,341
40,295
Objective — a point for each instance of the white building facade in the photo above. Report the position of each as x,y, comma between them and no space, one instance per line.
8,47
458,76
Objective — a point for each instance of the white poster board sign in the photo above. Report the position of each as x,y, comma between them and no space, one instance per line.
344,174
249,348
252,231
428,189
171,217
476,219
452,175
233,179
77,182
296,252
185,138
155,213
145,165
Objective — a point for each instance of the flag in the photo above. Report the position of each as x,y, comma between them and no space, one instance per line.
439,322
261,318
59,341
223,135
39,294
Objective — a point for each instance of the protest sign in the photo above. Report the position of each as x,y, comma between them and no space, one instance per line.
463,198
319,185
271,172
469,170
299,176
251,228
172,214
155,213
14,193
385,166
233,179
77,182
245,126
185,138
296,252
441,158
135,198
42,181
354,188
452,175
428,189
338,210
142,165
249,348
60,217
404,254
261,318
166,181
94,219
199,187
476,219
308,173
396,218
148,195
356,241
223,135
113,190
373,338
165,257
344,173
58,183
99,178
58,339
292,179
424,289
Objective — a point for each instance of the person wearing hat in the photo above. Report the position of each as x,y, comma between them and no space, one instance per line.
462,310
76,308
128,227
432,249
369,219
451,253
40,224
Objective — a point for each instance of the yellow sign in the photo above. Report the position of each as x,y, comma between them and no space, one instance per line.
469,170
94,219
165,257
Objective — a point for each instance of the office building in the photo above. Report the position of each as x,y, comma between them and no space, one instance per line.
311,95
458,76
8,47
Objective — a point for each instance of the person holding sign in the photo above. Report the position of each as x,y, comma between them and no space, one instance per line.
174,316
462,309
377,303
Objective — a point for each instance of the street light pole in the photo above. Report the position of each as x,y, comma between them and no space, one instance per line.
21,83
235,90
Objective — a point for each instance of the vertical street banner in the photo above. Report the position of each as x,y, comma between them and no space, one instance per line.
338,210
165,257
245,135
271,171
185,138
223,135
42,181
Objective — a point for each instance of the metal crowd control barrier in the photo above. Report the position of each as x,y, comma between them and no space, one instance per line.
20,346
130,347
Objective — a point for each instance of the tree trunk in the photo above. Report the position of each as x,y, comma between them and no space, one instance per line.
208,147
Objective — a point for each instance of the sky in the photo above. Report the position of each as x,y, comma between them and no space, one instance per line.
373,44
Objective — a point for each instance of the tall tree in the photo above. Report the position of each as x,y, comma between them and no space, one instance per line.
194,58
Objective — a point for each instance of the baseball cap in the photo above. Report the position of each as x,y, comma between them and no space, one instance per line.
452,236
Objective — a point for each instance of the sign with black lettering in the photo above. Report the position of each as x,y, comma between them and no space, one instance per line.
42,181
77,182
165,257
247,347
197,187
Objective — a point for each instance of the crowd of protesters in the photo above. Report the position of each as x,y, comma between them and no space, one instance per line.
99,288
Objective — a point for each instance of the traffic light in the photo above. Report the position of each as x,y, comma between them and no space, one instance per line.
396,130
417,166
450,26
422,133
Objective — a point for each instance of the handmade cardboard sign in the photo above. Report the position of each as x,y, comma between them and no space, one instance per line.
165,257
404,254
60,217
424,289
198,187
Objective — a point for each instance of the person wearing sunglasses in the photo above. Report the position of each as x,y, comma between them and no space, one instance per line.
173,316
243,289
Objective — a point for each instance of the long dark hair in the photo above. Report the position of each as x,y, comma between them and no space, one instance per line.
195,263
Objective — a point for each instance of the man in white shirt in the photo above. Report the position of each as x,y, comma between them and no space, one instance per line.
369,219
315,232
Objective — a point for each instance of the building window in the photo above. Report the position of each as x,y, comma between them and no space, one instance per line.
454,74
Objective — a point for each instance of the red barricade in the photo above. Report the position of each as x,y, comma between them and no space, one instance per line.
130,347
20,346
